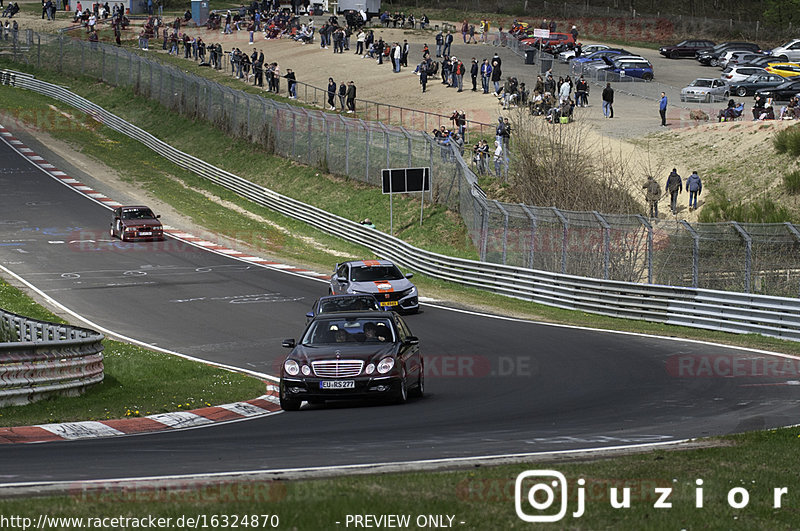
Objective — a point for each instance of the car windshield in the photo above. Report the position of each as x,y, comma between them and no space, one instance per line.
348,304
138,213
372,273
360,330
700,83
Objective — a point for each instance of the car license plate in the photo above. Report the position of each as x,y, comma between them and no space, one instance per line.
146,233
389,303
337,384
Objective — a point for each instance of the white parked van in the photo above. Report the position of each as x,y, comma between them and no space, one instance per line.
788,52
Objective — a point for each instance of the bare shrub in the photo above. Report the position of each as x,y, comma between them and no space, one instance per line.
554,166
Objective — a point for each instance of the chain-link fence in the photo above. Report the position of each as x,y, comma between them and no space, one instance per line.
728,256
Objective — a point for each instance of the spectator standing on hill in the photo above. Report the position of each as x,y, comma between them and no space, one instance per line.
464,30
343,95
652,195
608,101
291,83
486,75
439,43
423,75
574,32
351,97
674,187
497,74
331,94
448,41
473,72
662,109
694,186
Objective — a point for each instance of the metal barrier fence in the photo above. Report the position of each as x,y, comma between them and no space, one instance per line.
699,308
39,359
724,256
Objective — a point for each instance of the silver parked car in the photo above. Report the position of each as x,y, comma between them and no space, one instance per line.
788,52
567,55
700,89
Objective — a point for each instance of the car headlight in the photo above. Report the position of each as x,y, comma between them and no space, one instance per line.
385,365
306,370
370,368
291,367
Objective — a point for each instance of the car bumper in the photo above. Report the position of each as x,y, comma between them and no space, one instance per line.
308,388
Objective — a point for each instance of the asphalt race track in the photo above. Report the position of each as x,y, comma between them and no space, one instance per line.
494,386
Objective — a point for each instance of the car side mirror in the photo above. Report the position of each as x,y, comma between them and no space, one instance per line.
411,340
409,275
158,216
310,315
288,343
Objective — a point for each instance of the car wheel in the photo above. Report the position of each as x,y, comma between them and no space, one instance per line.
122,236
741,92
111,232
783,59
647,76
402,394
419,390
674,55
714,62
288,404
708,98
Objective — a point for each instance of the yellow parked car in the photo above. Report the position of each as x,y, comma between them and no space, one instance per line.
784,69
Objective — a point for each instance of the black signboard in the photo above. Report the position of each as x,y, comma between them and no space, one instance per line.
403,180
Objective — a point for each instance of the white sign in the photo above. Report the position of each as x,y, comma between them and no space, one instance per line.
541,33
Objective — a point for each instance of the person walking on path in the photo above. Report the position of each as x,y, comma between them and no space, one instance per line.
608,101
674,187
694,186
331,94
423,75
652,195
351,97
662,109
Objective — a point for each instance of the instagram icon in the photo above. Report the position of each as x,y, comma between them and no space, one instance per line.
535,493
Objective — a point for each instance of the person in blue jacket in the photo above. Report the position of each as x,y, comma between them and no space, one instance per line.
662,108
694,186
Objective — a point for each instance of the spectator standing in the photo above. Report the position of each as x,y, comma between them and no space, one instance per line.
486,75
464,30
423,75
662,109
498,158
497,74
608,101
458,71
291,83
439,43
343,95
331,94
574,32
473,72
404,54
397,54
351,97
360,38
652,195
448,41
582,93
674,187
694,186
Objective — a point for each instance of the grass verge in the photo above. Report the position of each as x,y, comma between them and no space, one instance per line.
137,382
483,498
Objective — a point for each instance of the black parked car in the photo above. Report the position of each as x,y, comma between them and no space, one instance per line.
749,86
711,56
352,356
686,48
783,92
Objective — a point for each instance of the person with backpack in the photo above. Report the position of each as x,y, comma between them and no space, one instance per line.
674,187
652,195
694,186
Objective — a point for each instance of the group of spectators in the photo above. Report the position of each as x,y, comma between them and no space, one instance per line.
399,19
674,186
10,10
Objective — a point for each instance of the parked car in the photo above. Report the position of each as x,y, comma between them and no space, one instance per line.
380,278
784,69
749,86
598,55
711,56
734,74
687,48
567,55
700,89
631,66
783,92
788,52
552,42
344,303
352,356
762,60
728,55
135,223
741,58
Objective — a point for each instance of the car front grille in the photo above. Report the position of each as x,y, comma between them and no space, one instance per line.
337,368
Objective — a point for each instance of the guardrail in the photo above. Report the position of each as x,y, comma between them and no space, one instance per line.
39,359
697,308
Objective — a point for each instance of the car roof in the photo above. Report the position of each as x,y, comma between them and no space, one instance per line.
362,314
347,296
132,207
369,263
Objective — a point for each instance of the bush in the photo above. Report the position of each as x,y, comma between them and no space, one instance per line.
718,208
787,141
792,182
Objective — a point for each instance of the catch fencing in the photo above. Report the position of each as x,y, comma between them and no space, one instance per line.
39,359
751,258
699,308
